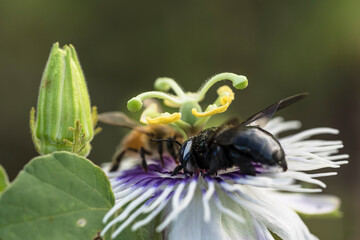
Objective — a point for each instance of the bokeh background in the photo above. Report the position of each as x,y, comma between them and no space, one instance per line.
283,47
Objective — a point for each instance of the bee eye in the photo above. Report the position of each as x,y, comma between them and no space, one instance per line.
185,152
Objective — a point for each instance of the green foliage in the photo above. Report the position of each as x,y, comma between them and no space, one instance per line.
4,180
56,196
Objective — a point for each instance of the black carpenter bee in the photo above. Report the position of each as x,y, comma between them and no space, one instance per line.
245,145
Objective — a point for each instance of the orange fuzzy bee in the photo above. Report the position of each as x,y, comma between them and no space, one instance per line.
141,139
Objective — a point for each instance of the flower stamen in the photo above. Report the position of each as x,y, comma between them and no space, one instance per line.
225,101
164,119
192,117
152,110
226,96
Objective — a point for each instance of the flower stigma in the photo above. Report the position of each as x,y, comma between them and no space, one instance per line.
190,119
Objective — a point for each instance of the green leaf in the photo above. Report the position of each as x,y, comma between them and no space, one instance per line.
56,196
4,180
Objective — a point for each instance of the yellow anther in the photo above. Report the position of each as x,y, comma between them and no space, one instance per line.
226,91
226,97
225,103
164,119
226,100
151,109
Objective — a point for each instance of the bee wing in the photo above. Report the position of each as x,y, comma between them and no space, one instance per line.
232,122
263,117
121,120
118,119
147,102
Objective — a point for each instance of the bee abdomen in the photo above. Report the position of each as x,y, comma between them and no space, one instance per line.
259,146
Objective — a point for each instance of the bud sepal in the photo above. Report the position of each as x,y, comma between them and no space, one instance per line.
64,120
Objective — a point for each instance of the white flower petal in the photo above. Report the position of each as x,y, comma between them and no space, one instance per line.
206,198
287,126
122,202
251,229
151,216
307,134
227,211
310,204
273,123
178,206
280,219
190,225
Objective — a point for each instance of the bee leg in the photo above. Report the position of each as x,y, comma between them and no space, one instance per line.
210,173
143,151
219,161
116,162
249,170
171,149
176,170
246,167
160,150
143,160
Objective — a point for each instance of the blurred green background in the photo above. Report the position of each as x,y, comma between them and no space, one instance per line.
283,47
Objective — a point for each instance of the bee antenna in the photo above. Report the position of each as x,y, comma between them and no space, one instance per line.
166,140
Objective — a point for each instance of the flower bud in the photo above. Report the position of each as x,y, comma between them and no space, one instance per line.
64,120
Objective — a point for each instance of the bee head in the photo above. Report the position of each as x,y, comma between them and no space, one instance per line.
186,157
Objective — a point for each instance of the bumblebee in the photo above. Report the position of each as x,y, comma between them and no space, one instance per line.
139,140
245,145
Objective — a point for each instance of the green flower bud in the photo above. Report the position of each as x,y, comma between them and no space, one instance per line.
64,120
